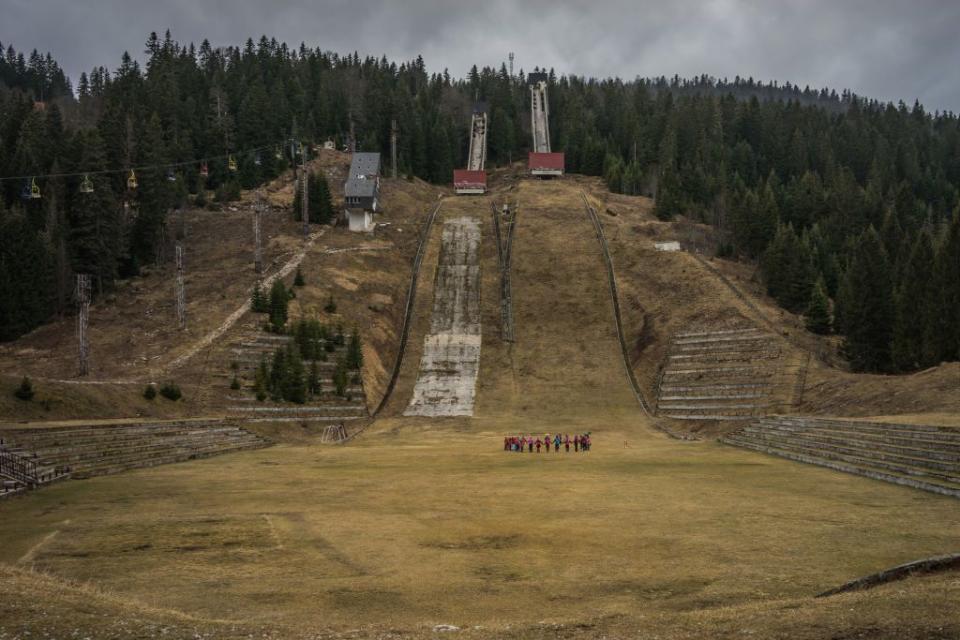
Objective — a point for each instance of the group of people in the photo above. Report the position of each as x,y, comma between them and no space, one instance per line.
528,443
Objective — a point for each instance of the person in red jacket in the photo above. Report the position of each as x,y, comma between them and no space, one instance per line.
566,442
576,442
546,441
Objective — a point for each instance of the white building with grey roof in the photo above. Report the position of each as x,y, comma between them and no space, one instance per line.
361,192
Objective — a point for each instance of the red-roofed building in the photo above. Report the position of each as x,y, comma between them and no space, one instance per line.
469,182
546,164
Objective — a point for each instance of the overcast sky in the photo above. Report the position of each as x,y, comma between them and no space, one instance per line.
878,48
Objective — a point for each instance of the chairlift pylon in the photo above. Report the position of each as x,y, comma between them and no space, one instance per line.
86,185
132,180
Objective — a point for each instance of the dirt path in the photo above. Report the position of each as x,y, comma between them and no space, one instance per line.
234,317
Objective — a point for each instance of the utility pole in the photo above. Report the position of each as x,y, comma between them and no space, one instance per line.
83,318
181,219
393,147
511,63
353,136
257,254
304,179
181,297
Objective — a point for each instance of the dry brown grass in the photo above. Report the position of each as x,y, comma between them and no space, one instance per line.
438,525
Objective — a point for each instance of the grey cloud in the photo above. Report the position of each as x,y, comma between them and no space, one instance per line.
882,49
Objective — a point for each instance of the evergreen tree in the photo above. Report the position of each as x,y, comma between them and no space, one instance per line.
788,269
942,334
25,391
354,351
153,197
279,299
292,383
868,310
278,373
319,200
95,228
26,276
340,378
261,381
259,303
916,308
324,200
817,315
313,379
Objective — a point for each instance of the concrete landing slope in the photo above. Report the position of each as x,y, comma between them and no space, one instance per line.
446,383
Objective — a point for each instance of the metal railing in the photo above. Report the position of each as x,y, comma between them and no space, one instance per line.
602,239
21,469
411,298
504,250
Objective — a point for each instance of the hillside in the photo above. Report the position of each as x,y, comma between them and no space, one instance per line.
134,339
133,334
667,292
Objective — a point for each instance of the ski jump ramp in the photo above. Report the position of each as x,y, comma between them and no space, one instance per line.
447,379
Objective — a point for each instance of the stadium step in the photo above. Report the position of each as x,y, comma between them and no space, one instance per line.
932,485
924,456
112,447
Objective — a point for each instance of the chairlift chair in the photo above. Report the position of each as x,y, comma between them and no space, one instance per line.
25,191
231,163
204,170
171,176
34,189
86,185
132,180
278,154
256,159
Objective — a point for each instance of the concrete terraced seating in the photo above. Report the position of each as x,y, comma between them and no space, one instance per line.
103,448
721,374
355,410
920,456
10,487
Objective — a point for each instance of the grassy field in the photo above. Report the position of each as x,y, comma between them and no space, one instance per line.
420,526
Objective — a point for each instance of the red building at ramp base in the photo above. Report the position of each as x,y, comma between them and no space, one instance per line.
469,182
546,164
